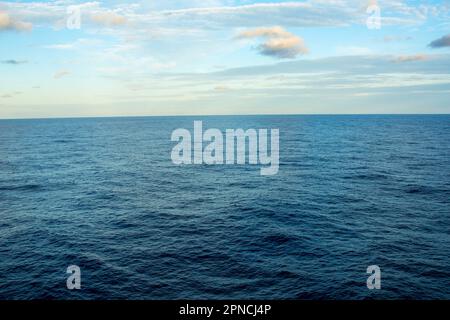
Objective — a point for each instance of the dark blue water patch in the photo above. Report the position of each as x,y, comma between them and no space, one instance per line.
368,176
25,187
103,194
64,141
425,190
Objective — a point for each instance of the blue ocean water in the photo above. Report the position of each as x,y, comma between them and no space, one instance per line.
103,194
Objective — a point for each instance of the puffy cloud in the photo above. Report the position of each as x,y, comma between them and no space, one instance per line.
278,42
8,23
410,58
441,42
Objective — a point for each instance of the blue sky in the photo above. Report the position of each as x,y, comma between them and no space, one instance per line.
223,57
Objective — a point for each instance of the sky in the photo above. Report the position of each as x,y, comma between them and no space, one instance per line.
69,58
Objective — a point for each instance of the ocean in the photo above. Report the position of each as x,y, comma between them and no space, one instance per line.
103,194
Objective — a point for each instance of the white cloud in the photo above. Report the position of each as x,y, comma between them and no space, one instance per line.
215,15
81,43
62,46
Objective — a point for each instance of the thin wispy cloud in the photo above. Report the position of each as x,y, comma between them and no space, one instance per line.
13,62
60,46
214,14
108,19
60,74
391,38
81,43
309,13
410,58
10,95
277,42
353,51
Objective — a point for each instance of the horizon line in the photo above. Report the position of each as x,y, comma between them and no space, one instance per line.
223,115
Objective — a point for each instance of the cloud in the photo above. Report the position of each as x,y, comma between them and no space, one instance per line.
13,61
273,32
352,51
215,15
410,58
278,42
222,88
81,43
60,74
308,13
109,19
441,42
346,67
62,46
396,38
10,95
8,23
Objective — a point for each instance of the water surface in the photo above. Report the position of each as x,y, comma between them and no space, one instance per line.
103,194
